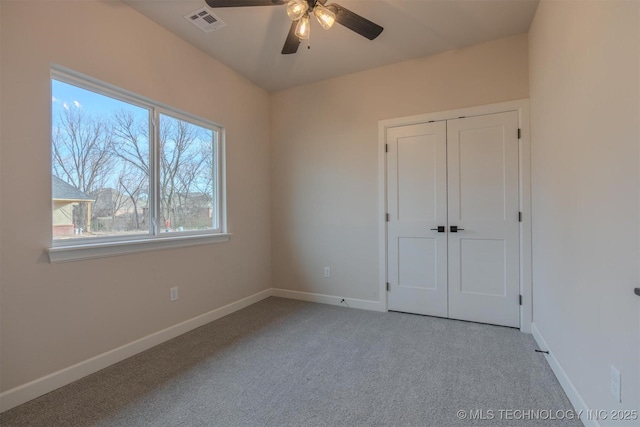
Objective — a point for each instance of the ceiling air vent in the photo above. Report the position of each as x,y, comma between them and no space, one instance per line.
204,20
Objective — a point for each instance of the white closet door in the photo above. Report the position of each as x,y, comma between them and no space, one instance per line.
483,201
417,199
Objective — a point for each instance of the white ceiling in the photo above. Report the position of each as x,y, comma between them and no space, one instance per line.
252,39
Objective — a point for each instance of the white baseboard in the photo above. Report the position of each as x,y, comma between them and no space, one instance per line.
36,388
48,383
329,299
572,393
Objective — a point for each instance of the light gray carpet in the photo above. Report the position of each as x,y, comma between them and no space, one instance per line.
291,363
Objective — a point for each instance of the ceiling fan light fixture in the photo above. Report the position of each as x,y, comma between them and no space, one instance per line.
296,9
325,17
303,28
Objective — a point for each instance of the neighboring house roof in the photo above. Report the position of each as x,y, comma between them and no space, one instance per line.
63,191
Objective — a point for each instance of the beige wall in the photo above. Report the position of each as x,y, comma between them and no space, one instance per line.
324,156
56,315
585,145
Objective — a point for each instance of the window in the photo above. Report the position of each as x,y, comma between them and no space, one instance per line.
128,170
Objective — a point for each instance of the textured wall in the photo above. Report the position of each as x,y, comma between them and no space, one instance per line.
56,315
584,84
324,152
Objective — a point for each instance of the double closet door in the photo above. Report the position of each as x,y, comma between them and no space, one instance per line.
453,225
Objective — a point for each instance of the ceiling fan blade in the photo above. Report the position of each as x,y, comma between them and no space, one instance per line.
354,22
241,3
292,42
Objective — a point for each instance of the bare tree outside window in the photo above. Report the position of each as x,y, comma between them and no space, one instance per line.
101,148
186,175
82,155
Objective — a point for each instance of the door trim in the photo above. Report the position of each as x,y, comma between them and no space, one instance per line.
524,167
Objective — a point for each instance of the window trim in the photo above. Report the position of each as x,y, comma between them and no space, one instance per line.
63,250
124,247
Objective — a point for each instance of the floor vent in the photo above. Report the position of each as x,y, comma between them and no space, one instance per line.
204,20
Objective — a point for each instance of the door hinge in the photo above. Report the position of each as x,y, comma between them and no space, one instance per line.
388,287
387,217
519,216
519,133
520,299
386,148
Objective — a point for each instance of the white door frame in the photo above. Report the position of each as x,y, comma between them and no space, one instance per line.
524,166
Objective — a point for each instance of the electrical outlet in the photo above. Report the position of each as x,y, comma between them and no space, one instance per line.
173,293
615,384
327,272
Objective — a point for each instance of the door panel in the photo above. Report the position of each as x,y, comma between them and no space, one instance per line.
417,263
483,202
482,263
417,159
481,180
416,200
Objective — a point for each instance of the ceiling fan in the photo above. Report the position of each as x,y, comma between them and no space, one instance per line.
300,10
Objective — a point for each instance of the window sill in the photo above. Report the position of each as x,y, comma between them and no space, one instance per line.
101,250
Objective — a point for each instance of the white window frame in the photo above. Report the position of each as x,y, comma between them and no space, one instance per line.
99,247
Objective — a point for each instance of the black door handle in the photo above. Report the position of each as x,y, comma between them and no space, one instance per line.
637,291
440,229
455,229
